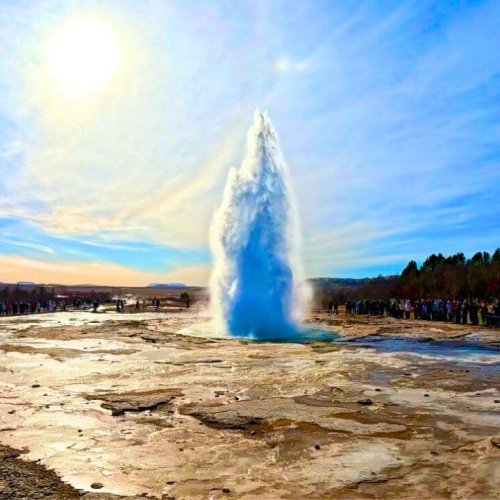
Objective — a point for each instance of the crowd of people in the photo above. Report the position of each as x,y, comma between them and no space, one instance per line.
22,307
467,311
13,308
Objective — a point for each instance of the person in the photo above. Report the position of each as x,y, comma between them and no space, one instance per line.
401,308
157,304
465,311
496,313
488,314
330,307
458,312
407,307
336,308
137,305
417,310
394,309
473,311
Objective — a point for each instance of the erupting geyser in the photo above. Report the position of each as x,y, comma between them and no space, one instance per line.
256,279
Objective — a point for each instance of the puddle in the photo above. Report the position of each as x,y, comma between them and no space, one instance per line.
463,350
456,350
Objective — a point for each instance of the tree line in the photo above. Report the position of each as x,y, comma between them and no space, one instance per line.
453,276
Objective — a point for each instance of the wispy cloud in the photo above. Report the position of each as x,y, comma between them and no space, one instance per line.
388,115
28,245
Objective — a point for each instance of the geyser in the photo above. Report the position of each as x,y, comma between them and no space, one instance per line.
256,286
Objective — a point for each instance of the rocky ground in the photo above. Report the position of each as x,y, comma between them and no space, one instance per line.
107,406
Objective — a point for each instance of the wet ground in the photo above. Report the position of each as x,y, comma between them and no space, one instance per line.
150,405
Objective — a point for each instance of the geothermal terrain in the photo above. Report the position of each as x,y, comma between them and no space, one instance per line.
112,405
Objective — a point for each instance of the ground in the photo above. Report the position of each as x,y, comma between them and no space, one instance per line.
111,405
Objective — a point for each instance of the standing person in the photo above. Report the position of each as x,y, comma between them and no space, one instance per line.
449,311
473,310
458,312
488,313
394,309
330,307
336,308
157,305
401,309
465,311
480,312
496,313
435,310
407,307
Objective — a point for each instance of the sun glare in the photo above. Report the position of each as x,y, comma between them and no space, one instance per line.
83,57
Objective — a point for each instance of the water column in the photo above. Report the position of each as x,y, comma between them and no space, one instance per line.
254,239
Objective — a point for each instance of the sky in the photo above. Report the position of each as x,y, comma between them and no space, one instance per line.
111,164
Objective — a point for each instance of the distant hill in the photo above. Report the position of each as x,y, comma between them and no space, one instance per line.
167,285
342,289
330,282
334,283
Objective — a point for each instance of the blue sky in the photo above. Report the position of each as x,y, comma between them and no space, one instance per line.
388,115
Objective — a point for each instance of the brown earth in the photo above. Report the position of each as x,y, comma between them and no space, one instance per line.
127,404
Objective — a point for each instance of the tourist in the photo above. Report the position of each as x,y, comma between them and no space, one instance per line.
407,308
467,311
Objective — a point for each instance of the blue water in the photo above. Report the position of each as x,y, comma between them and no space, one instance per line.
462,349
302,335
445,348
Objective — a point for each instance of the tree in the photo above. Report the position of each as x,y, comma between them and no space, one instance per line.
480,259
496,255
411,269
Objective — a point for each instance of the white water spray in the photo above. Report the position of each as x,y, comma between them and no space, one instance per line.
256,281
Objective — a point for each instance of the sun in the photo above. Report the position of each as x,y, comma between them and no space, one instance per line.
83,56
